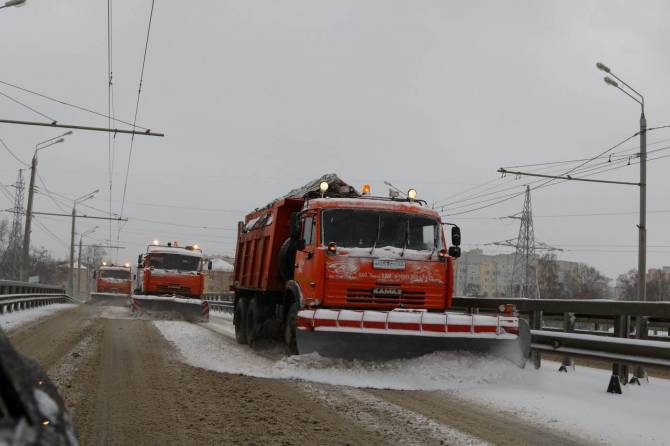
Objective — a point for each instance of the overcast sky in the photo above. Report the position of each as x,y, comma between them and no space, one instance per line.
258,97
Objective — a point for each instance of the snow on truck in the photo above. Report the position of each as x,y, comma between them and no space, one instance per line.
350,275
113,279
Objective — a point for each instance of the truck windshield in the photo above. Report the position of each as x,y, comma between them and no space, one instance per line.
174,261
114,274
352,228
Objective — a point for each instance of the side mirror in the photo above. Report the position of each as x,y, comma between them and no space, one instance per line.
455,251
455,236
294,231
95,274
139,260
209,265
134,276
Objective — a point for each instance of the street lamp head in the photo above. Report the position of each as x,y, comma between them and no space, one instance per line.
59,140
14,3
69,132
603,67
610,81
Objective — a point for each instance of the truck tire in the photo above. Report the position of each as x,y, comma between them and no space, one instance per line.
286,258
253,321
290,329
239,321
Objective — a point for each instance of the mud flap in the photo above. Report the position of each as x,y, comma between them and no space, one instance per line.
382,347
176,308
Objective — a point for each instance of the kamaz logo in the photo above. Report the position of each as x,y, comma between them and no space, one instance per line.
387,292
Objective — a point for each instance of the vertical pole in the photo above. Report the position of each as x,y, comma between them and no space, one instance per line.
642,242
79,270
71,286
640,326
25,255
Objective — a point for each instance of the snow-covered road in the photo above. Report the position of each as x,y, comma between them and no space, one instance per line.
575,402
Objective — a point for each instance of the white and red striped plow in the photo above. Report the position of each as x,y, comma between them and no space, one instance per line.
383,335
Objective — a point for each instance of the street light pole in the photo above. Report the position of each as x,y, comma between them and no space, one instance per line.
74,213
640,329
81,237
642,227
25,254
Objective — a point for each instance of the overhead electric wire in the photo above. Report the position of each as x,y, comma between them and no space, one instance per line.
46,189
28,107
78,107
137,106
110,113
12,153
48,231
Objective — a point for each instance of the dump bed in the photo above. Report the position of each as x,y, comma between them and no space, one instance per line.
259,238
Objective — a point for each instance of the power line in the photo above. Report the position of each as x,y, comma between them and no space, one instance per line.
137,106
28,107
78,107
12,153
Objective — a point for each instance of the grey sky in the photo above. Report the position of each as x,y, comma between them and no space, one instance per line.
258,97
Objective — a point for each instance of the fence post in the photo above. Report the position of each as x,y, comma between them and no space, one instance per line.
642,329
569,327
535,322
619,371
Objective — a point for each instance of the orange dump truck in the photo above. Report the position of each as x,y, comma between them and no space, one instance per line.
113,279
170,270
350,275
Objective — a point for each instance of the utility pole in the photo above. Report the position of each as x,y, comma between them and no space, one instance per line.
25,255
642,227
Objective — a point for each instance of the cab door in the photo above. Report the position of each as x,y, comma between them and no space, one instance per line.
309,264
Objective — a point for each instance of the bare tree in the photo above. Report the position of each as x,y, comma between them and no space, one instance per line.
547,277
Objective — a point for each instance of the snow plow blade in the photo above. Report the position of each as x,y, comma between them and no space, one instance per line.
175,308
113,299
398,334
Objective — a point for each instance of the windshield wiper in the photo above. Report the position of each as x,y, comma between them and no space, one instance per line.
406,242
379,230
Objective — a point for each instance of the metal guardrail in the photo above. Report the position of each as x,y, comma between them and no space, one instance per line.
14,287
220,302
618,348
10,303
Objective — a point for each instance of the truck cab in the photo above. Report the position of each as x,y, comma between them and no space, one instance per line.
113,279
170,270
365,253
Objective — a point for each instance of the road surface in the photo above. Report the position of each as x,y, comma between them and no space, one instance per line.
125,385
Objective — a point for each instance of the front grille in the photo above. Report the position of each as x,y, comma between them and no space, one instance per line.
176,289
367,296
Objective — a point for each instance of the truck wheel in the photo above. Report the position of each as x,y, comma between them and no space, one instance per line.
239,320
253,321
286,257
289,331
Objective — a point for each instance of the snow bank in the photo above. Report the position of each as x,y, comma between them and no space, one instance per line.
574,402
11,321
202,347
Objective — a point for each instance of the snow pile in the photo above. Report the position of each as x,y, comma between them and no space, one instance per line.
11,321
201,347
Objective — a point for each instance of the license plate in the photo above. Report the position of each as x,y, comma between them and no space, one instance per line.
388,264
387,292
